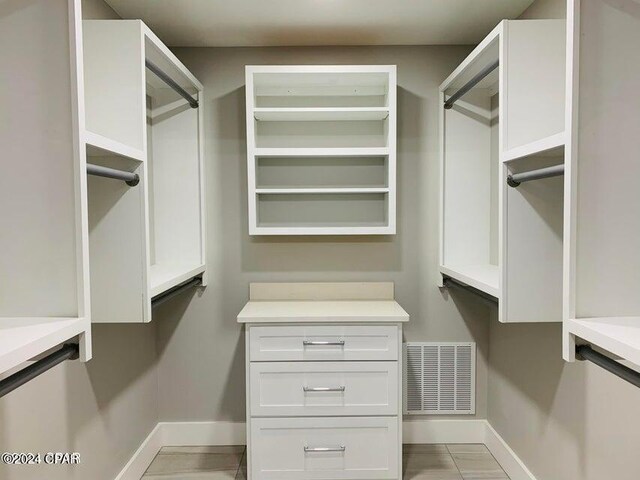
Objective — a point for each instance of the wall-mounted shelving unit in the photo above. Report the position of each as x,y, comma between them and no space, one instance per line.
602,213
149,238
44,288
321,149
505,241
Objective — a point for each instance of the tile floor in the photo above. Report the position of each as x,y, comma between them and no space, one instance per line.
420,462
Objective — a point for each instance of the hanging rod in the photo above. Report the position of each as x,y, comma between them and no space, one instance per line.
131,179
177,290
68,352
470,84
518,178
172,83
585,352
448,281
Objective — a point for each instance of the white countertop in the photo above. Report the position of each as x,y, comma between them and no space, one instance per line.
328,311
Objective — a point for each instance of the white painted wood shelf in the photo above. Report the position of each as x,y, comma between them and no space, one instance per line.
483,277
501,240
321,150
618,335
148,238
22,339
320,114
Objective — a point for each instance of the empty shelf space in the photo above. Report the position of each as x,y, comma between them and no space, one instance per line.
482,277
319,134
327,228
162,277
320,190
99,146
321,114
552,146
321,172
321,152
618,335
23,338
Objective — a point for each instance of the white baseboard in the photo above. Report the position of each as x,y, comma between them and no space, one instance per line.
506,457
140,461
414,431
193,434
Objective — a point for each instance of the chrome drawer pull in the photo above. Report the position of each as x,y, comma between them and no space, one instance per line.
324,389
338,343
341,448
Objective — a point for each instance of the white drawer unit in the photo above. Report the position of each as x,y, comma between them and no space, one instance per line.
321,448
324,390
323,342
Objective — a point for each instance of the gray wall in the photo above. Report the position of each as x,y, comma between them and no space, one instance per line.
565,421
201,366
102,409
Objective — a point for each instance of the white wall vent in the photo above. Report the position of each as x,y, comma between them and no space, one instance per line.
439,378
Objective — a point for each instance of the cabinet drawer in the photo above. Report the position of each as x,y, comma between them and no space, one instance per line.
324,388
324,448
323,342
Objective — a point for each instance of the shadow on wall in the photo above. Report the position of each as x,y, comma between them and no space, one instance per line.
528,369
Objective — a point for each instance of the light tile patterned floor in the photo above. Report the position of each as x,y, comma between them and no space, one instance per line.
419,462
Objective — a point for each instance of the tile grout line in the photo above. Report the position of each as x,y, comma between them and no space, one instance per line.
244,452
454,460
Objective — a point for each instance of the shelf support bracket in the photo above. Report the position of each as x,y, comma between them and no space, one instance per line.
452,282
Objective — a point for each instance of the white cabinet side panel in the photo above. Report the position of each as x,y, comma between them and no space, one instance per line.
607,258
534,91
466,182
38,197
114,80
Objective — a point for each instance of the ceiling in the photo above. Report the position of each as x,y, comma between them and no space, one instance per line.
232,23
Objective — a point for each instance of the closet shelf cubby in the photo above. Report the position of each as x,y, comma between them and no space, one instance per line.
143,115
602,219
321,150
44,285
500,116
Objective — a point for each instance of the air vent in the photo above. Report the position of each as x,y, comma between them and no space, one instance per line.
439,378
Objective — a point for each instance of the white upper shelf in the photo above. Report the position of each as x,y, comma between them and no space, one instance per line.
320,114
23,338
618,335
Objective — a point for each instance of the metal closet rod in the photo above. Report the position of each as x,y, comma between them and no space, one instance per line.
172,83
518,178
131,179
470,84
585,352
177,290
68,352
448,281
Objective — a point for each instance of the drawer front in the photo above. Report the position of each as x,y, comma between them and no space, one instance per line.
324,388
323,342
324,448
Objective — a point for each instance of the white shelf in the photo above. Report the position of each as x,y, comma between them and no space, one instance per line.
23,338
321,152
163,277
321,114
618,335
552,146
323,229
99,146
482,277
322,190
